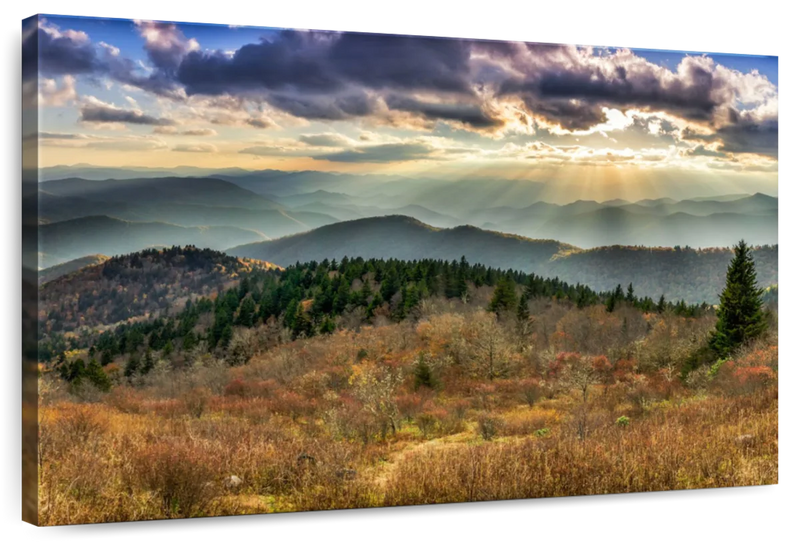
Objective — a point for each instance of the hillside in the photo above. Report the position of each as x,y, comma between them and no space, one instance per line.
67,240
137,285
682,273
49,274
689,274
401,237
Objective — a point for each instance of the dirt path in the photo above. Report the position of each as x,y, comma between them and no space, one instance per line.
380,474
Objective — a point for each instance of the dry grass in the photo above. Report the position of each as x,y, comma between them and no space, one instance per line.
337,423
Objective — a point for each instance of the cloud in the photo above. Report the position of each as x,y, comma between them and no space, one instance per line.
172,130
702,151
325,140
274,151
468,114
165,44
52,94
416,83
382,153
195,148
56,52
325,107
96,111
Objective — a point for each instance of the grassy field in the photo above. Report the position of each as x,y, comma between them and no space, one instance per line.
456,406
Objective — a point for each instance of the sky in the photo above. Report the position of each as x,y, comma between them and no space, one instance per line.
115,92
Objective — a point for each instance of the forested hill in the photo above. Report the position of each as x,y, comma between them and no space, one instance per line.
694,275
137,285
405,238
182,297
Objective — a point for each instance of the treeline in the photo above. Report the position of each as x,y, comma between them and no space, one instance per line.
306,300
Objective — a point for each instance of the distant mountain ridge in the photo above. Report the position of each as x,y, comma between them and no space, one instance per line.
68,240
406,238
689,274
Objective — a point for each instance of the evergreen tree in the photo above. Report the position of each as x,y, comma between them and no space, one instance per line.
148,363
740,317
423,375
662,305
522,310
227,335
302,324
106,358
77,371
290,314
505,296
327,326
629,297
132,366
98,377
189,341
247,313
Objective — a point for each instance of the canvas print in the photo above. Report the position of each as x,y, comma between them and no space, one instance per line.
271,270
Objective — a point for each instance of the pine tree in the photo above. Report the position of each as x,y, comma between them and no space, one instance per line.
302,324
189,341
98,377
423,375
662,305
77,371
522,310
106,358
148,363
505,296
227,335
247,313
630,298
740,317
132,367
328,326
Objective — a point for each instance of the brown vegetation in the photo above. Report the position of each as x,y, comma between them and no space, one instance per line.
458,406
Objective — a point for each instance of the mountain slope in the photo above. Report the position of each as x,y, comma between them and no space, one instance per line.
142,284
67,240
402,237
689,274
49,274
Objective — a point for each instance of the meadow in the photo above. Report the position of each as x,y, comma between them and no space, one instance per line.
454,403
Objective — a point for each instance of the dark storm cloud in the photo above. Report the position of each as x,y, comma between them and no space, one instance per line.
403,62
571,88
293,60
316,62
59,53
750,136
381,153
340,76
468,114
323,106
95,113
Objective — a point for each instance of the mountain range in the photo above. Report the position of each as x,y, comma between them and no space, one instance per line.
694,275
285,217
